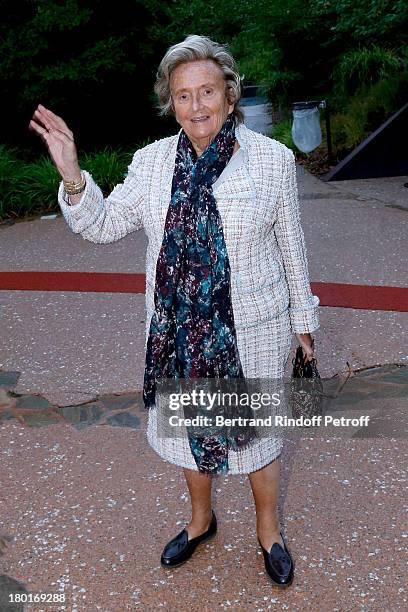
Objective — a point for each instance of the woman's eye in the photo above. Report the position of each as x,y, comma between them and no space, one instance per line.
208,92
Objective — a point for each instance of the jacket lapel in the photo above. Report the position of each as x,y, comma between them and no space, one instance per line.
238,183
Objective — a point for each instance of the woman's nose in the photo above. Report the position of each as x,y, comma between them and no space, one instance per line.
196,102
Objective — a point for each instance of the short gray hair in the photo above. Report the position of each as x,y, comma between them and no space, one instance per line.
191,49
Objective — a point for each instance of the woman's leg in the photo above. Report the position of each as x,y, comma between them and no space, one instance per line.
265,489
199,486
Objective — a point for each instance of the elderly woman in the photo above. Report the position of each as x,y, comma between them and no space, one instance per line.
226,271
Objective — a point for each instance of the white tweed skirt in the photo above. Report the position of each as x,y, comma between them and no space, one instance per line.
264,349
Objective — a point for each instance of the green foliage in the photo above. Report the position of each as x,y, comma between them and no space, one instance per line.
364,112
24,46
348,129
89,61
107,167
352,54
10,169
94,63
297,49
282,132
34,190
365,66
366,21
26,188
27,49
29,188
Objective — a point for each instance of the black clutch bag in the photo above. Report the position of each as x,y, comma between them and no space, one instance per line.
306,396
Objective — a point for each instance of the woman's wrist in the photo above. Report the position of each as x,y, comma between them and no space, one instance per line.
71,174
307,337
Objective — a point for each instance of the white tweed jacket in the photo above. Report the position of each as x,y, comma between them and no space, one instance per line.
259,207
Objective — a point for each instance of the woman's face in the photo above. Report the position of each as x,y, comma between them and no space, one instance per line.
198,92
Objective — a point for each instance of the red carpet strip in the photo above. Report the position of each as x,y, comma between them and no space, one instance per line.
343,295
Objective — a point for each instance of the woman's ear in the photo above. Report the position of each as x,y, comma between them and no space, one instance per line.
230,99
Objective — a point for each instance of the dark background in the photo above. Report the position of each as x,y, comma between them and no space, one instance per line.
94,61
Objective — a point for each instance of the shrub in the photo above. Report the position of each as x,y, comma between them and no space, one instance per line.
107,166
282,132
36,189
363,67
365,111
31,187
10,171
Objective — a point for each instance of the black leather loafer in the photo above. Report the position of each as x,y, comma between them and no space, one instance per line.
279,564
179,549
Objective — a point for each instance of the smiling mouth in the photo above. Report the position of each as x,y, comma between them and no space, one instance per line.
200,119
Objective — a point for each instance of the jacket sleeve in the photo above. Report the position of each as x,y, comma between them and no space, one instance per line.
100,219
303,305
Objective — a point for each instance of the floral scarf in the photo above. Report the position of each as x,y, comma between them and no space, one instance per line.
192,332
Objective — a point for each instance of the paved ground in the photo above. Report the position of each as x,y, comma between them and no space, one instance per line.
86,506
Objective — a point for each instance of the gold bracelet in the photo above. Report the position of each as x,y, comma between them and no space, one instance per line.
74,184
73,187
76,191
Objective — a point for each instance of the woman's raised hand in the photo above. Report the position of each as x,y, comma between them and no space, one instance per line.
59,140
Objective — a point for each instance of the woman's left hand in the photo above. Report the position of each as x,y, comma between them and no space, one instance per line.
306,341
